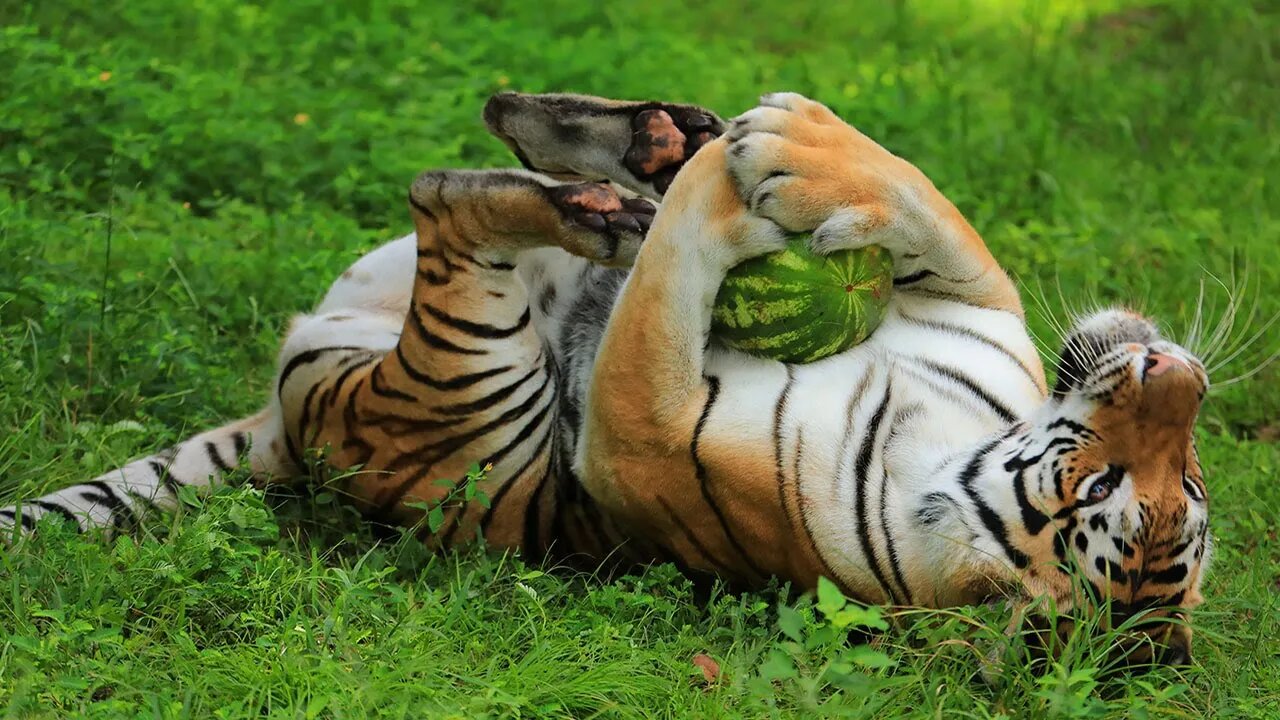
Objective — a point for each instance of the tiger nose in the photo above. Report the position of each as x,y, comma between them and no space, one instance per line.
1160,363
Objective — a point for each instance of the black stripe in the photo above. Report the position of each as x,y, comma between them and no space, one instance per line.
700,471
398,426
455,383
27,523
524,433
1073,426
480,330
914,277
1111,570
420,207
375,383
493,398
447,446
717,566
989,518
1058,480
890,548
431,453
212,451
465,257
449,266
533,510
1181,547
431,278
846,450
520,437
148,505
344,376
804,516
1000,409
166,479
1169,576
977,337
304,420
351,427
934,507
1021,463
120,511
55,508
323,403
1060,539
491,512
304,358
861,468
432,340
1032,519
941,390
241,444
850,410
779,412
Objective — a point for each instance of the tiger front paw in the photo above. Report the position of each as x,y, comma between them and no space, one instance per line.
796,163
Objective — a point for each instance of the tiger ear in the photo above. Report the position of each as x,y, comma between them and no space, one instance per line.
638,145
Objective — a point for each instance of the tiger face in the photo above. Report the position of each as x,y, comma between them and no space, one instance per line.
1111,470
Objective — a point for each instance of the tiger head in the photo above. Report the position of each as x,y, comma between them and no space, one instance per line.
1110,488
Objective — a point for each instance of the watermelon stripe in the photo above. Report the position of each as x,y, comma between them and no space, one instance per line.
795,306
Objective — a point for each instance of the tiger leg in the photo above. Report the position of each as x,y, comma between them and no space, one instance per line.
117,499
649,389
798,164
468,381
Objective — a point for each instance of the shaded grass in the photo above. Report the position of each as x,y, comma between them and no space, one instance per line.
175,181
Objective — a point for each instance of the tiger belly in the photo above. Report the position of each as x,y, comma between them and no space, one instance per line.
817,469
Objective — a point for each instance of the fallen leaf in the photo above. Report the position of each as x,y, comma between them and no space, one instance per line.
710,668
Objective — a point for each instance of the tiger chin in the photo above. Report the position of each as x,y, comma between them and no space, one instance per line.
552,324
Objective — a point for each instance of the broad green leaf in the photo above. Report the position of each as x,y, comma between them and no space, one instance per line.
791,623
435,518
854,615
830,599
778,666
866,657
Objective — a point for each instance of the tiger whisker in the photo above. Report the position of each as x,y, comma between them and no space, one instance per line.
1226,323
1054,323
1245,376
1243,346
1197,320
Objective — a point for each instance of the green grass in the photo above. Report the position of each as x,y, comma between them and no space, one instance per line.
176,179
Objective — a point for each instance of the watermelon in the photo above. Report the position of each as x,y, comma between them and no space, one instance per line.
797,307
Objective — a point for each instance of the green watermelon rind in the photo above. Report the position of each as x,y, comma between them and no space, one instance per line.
774,306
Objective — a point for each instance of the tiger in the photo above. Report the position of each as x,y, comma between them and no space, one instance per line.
551,325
